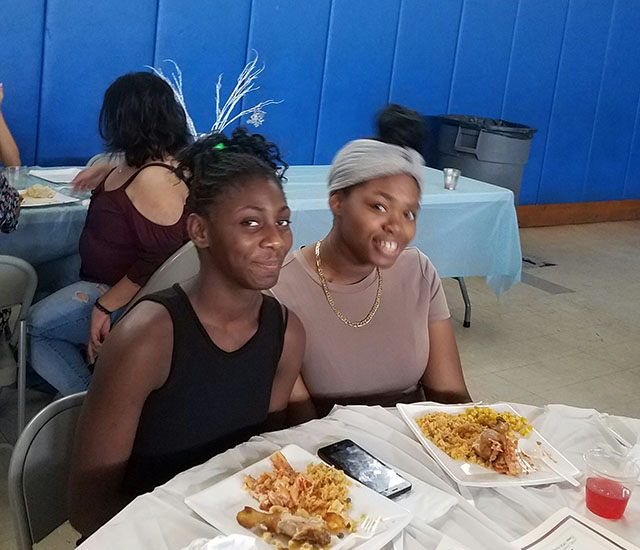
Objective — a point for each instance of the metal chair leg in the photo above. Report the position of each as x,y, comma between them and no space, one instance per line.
467,302
22,374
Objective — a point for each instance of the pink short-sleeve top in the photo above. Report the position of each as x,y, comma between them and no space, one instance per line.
388,355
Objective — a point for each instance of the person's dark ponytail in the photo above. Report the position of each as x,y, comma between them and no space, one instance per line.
402,126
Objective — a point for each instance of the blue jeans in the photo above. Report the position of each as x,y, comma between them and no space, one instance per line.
58,330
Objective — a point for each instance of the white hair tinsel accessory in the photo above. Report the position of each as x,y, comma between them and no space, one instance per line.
365,159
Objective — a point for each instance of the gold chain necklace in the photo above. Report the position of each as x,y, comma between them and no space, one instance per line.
339,314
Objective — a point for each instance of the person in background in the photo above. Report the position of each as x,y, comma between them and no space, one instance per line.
375,313
9,197
9,206
135,221
9,210
198,368
9,154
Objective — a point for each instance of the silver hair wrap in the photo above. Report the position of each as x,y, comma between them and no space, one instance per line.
365,159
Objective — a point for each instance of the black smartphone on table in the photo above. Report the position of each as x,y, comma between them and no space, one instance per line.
362,466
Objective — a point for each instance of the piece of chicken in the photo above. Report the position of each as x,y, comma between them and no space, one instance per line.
488,445
299,529
495,446
507,462
280,463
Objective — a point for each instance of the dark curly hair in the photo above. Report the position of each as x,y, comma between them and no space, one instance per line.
141,117
398,125
214,164
402,126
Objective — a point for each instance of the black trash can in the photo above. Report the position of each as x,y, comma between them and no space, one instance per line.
484,149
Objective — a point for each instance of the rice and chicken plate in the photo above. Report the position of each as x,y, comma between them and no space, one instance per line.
479,435
307,507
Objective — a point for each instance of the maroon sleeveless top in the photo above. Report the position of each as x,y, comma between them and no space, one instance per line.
117,240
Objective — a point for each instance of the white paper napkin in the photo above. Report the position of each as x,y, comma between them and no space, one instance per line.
231,542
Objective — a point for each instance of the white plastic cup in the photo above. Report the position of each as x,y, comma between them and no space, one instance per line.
451,176
611,478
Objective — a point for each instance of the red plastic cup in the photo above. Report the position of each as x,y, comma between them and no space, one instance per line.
610,481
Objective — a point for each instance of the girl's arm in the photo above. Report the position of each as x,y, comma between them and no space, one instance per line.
443,380
134,362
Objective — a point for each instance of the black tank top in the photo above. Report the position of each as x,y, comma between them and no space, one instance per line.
212,399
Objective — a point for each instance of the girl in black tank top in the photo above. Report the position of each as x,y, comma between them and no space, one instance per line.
195,369
181,423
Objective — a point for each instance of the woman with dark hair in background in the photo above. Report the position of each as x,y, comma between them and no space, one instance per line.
135,221
375,312
195,369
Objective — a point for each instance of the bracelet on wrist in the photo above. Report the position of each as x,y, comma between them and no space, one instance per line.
100,307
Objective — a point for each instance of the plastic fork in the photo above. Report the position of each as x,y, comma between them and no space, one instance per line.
368,527
370,524
537,453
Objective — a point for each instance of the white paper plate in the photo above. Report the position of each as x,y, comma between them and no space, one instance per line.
219,504
474,475
56,175
58,198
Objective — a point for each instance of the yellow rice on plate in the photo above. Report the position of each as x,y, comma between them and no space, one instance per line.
456,433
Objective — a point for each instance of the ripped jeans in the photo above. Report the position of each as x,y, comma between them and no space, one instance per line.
58,330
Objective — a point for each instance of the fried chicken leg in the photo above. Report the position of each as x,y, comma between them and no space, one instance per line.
313,530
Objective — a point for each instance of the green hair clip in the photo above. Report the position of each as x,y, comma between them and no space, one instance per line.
220,146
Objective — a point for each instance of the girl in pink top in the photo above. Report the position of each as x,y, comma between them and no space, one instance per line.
375,313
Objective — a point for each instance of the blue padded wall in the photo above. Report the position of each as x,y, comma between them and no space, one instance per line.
87,46
575,101
425,52
20,67
482,57
616,111
357,73
531,79
205,38
570,68
291,37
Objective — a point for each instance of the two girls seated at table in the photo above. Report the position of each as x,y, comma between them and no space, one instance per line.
196,369
375,312
135,221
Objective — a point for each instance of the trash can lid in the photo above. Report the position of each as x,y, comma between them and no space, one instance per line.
491,125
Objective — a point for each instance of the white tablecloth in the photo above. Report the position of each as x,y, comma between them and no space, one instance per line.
478,518
472,231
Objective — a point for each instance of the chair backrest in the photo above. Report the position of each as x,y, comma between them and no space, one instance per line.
39,470
105,158
182,265
18,282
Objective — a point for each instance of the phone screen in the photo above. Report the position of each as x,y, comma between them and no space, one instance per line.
365,468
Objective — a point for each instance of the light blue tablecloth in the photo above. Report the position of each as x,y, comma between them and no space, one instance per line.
47,237
472,231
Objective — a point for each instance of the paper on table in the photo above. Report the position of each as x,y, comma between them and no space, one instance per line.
568,530
231,542
58,175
